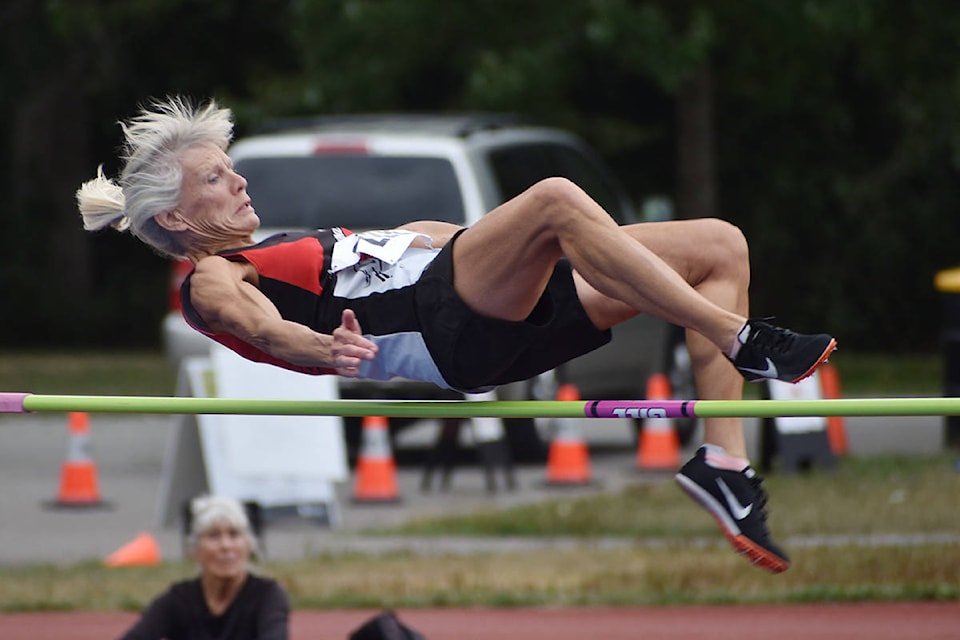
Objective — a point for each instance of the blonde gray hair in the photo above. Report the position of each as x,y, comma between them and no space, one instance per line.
208,511
150,180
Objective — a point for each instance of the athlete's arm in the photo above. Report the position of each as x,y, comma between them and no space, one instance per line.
225,295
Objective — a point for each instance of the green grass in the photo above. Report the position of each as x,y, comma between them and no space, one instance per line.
890,495
661,575
148,373
87,373
879,374
672,553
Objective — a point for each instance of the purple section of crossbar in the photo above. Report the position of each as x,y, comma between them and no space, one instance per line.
12,402
639,409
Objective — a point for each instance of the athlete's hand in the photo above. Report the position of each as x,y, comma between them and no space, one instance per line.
349,347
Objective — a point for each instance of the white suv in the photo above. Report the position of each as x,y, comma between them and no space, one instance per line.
373,172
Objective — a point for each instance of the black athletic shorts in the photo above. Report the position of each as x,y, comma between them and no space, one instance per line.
475,352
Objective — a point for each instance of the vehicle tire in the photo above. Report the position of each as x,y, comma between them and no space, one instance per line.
523,438
679,370
352,435
522,434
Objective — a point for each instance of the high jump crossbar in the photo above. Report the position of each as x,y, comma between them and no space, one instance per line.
914,406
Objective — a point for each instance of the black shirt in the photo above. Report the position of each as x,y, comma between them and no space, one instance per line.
259,612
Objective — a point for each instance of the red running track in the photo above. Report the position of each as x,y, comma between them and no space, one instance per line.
870,621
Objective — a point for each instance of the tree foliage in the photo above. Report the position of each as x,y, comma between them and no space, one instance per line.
836,143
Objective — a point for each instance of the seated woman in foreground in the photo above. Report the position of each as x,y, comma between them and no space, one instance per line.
226,600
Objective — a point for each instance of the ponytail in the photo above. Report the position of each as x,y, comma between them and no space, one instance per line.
101,204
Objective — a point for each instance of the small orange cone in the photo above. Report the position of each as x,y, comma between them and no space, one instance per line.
830,389
568,460
376,475
78,473
659,447
142,551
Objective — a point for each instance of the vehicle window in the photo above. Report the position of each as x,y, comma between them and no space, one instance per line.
516,168
357,191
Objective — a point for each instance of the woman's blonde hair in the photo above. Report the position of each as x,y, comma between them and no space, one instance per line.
150,180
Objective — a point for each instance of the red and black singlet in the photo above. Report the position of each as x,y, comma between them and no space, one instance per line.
294,273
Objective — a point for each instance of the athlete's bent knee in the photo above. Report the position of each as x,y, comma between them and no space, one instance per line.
552,192
560,200
724,238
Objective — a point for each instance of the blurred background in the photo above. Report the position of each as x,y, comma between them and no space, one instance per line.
828,130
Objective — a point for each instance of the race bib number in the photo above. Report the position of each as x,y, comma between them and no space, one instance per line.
386,246
373,275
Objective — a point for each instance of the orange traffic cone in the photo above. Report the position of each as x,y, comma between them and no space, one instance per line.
830,389
376,476
659,445
78,473
568,460
142,551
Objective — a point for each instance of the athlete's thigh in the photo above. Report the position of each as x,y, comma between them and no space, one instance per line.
682,244
503,262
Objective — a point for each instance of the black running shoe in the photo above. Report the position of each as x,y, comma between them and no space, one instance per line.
737,501
771,353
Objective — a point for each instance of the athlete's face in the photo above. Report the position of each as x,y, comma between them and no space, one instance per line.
213,197
223,551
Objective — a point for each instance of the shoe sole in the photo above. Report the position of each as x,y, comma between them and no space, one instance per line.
823,358
756,554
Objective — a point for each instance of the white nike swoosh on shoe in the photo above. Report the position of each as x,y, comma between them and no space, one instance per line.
769,372
737,510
